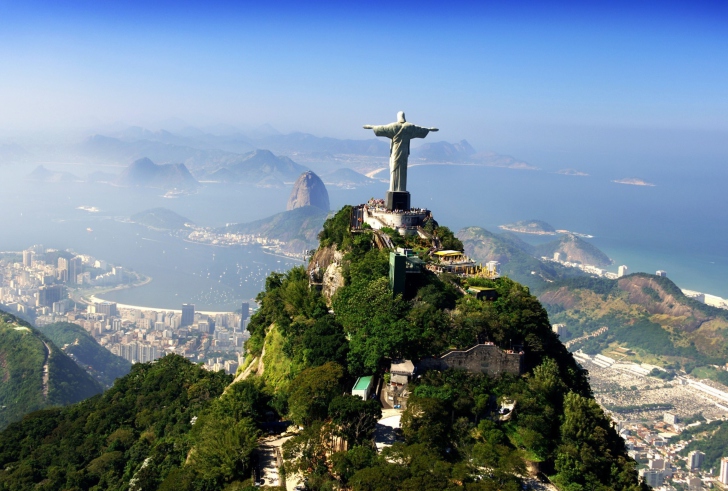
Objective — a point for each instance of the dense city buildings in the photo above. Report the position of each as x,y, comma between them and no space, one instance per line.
39,283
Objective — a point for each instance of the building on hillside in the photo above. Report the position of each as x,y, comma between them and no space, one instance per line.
401,372
661,273
695,459
402,263
363,387
670,418
652,477
559,329
622,271
486,358
492,269
723,476
482,293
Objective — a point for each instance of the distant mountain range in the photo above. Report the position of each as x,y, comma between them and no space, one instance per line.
443,151
258,166
41,174
12,152
36,373
346,177
145,173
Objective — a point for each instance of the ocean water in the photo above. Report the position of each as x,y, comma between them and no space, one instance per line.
680,225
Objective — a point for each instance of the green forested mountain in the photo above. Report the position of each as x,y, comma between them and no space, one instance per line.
298,228
35,373
166,425
575,250
99,362
646,313
130,437
518,258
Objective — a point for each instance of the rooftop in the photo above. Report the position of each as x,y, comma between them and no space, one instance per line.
363,382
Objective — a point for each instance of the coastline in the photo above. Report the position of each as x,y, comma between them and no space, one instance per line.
95,299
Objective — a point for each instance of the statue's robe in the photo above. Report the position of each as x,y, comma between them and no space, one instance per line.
399,149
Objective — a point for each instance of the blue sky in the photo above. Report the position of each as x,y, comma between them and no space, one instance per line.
506,76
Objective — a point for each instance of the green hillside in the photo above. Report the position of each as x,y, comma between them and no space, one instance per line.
25,388
646,313
168,425
140,429
575,250
517,258
298,228
99,362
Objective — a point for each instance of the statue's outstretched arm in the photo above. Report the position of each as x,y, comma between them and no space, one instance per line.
368,127
433,129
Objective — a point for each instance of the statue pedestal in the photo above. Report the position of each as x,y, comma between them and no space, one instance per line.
398,200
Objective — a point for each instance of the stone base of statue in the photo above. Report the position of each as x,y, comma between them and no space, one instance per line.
398,200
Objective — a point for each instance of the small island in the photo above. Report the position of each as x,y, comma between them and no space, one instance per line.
535,227
633,181
571,172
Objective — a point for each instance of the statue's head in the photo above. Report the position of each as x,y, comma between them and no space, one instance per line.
400,117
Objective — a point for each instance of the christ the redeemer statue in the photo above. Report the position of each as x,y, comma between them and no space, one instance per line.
400,133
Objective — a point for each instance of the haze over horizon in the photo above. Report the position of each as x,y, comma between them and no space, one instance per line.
539,81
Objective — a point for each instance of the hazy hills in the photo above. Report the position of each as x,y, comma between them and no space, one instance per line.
160,218
346,177
518,259
98,361
443,151
254,167
35,372
145,173
575,250
41,174
299,227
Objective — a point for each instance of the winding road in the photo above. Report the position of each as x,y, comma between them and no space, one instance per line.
46,370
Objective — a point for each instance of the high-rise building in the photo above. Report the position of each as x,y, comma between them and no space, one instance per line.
661,273
107,308
188,314
27,259
245,312
75,268
63,269
695,459
723,478
49,294
622,271
557,256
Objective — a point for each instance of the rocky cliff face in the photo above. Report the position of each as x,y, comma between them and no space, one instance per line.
309,190
328,262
